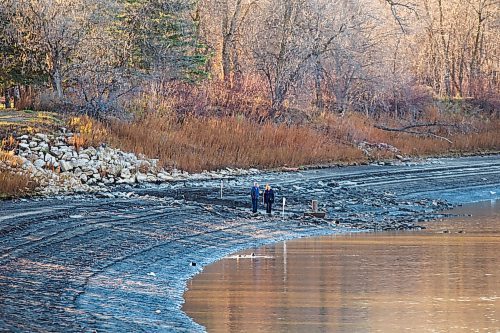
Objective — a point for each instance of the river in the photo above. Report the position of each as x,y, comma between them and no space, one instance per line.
443,279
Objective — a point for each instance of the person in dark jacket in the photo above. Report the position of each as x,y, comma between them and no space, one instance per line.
268,198
255,197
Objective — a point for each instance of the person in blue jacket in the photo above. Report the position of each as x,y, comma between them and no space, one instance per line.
255,196
268,198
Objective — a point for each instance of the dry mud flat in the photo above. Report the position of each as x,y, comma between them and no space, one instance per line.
121,264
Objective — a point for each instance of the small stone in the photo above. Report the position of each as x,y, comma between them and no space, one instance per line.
39,163
84,157
50,159
125,173
83,178
141,178
42,137
66,166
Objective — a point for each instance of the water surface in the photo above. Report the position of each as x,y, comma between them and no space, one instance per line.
443,279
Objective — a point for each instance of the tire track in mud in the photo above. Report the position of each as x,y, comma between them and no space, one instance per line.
82,232
70,231
396,176
84,264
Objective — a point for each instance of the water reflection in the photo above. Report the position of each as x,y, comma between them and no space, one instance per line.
445,279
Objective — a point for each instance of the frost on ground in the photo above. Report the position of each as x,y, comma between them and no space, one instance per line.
121,263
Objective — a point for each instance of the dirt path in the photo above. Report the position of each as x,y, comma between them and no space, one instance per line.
83,264
13,122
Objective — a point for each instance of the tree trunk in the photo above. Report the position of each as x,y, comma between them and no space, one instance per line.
226,45
17,95
445,45
237,71
474,68
278,99
57,83
280,86
318,76
229,27
7,98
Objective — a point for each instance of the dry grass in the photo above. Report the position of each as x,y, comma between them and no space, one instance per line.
485,138
85,132
195,144
208,143
8,158
7,152
14,185
468,134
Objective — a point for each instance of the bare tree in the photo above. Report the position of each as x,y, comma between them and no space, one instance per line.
295,34
54,30
460,45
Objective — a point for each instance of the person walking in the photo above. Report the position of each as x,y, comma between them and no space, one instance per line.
255,197
268,198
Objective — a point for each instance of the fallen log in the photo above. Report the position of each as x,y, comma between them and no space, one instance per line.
407,129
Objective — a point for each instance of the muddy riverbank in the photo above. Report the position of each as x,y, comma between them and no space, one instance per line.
121,264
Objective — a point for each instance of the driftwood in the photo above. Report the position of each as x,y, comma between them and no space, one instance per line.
408,129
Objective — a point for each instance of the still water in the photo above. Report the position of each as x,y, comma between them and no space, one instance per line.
443,279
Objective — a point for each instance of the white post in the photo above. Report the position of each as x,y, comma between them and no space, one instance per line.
221,185
284,201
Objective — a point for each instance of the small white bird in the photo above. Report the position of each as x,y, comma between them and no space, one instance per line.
151,274
492,192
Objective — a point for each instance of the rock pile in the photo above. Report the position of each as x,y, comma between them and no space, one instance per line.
55,163
368,147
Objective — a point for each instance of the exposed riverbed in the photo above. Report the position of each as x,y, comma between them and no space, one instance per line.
443,279
85,263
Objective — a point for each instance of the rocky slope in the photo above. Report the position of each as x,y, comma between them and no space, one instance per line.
59,167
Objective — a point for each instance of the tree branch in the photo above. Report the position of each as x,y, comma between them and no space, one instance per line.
407,129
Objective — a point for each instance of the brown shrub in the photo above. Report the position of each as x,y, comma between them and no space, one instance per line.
209,99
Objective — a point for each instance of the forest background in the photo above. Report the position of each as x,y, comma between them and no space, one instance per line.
209,84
